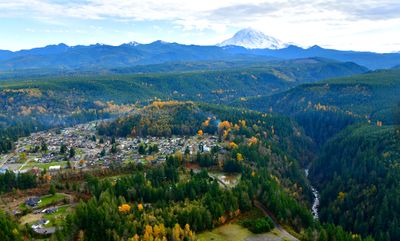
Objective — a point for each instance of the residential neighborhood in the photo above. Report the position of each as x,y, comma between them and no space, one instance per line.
80,147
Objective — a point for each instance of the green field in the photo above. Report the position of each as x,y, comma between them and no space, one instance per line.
235,232
57,217
51,199
44,165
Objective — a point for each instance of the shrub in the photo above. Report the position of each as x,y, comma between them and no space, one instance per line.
260,225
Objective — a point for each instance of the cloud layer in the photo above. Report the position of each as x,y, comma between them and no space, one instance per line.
345,24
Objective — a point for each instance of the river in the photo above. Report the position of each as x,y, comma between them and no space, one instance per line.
314,208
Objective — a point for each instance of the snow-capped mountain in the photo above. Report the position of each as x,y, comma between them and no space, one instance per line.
132,43
253,39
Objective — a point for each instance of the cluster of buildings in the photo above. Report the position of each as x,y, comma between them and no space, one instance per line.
42,149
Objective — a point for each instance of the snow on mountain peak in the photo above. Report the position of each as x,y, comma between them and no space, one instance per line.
133,43
253,39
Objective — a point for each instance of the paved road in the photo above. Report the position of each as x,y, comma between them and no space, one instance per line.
23,165
284,233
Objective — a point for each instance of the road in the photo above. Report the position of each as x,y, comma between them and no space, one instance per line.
23,165
284,233
6,158
218,180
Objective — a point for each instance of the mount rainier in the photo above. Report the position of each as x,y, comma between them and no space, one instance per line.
252,39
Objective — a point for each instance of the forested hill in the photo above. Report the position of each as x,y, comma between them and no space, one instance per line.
65,94
298,70
187,118
33,103
372,95
302,70
358,174
325,107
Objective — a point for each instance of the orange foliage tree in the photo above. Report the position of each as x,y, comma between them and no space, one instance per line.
124,208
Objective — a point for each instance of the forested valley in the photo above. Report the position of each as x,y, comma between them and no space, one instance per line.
343,132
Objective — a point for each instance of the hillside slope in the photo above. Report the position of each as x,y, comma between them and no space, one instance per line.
371,97
358,175
186,118
65,94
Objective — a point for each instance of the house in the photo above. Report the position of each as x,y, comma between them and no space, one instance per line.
49,210
54,168
206,148
33,201
45,231
203,148
40,223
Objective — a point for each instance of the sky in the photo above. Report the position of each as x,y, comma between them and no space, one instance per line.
363,25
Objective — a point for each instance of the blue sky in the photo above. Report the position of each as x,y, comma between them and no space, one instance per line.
358,25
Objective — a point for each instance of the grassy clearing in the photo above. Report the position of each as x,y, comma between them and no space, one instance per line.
116,177
228,232
235,232
57,218
230,180
45,165
30,218
51,199
61,211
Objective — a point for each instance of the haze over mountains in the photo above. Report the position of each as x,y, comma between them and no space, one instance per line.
246,44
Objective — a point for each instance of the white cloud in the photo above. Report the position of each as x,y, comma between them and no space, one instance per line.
341,24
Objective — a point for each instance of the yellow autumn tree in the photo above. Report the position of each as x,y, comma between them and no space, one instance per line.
188,232
224,125
162,230
341,196
239,157
135,238
156,231
176,232
253,140
226,133
124,208
233,145
206,122
179,156
179,234
148,233
161,104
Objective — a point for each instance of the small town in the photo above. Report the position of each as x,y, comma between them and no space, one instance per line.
80,147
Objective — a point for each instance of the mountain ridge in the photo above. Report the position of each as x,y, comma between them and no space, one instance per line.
100,56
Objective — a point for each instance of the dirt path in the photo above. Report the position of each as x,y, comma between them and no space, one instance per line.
285,233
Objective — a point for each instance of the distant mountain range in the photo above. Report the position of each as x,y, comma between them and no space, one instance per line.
256,46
